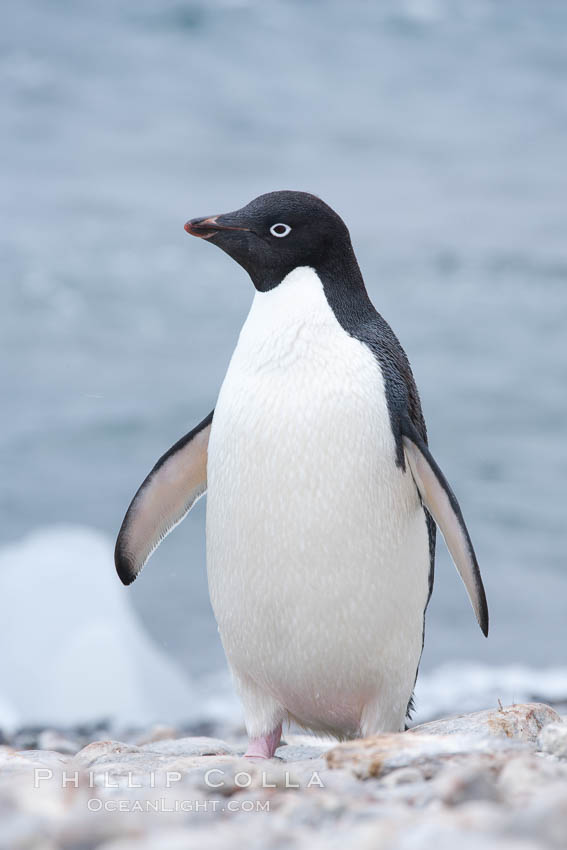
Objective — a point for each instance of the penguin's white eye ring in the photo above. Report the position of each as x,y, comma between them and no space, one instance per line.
280,230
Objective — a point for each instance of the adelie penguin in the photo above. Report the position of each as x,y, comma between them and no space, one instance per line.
322,492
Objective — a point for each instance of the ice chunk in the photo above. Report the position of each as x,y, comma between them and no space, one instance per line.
73,648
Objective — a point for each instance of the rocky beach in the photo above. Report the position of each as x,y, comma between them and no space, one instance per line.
490,779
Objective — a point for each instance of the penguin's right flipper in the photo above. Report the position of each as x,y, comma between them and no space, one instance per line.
165,497
442,504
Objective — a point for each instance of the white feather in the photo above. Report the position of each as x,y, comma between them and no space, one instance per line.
317,545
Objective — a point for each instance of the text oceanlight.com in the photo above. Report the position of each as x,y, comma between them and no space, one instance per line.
95,804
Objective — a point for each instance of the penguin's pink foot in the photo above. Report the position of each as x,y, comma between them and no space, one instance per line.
265,746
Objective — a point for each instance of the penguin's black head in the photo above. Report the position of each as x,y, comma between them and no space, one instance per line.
276,233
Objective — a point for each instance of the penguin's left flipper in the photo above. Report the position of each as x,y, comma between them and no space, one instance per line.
165,497
442,504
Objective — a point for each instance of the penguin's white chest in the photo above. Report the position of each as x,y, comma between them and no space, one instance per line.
317,545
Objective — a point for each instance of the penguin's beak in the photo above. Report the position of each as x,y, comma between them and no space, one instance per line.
205,228
232,232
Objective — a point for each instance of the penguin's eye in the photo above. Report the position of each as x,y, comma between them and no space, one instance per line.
280,230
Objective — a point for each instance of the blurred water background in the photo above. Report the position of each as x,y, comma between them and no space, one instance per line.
437,128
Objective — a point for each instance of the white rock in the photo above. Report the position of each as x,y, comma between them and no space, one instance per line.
553,739
519,722
46,757
526,776
98,749
403,776
378,755
301,752
189,747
